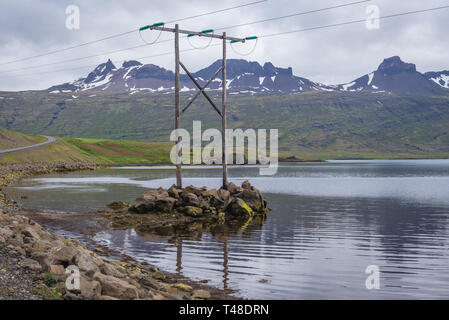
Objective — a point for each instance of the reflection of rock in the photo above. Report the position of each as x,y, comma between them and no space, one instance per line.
234,201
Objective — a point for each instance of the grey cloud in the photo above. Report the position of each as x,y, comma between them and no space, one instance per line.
333,55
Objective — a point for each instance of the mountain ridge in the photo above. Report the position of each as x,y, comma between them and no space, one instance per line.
393,75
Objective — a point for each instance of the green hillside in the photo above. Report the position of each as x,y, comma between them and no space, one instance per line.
312,125
10,139
99,151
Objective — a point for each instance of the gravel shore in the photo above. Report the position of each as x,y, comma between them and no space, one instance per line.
36,263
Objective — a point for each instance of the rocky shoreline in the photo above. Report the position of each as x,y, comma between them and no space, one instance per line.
35,263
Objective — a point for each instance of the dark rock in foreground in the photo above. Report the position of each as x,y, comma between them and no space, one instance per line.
234,201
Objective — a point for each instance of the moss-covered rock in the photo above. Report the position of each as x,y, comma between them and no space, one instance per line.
239,208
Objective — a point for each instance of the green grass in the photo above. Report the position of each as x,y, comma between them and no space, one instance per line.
99,151
11,139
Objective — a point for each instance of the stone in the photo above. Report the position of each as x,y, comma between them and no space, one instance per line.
118,205
253,197
192,211
190,199
195,190
6,232
209,193
62,254
143,206
246,185
183,287
109,269
223,194
158,275
233,188
165,204
201,294
19,250
90,290
174,192
31,233
85,262
57,269
2,239
31,264
155,194
239,208
114,287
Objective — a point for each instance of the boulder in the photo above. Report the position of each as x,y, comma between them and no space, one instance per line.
253,197
165,204
195,190
62,254
118,205
85,262
31,264
90,290
57,270
158,275
209,193
155,194
114,287
246,185
192,211
6,232
223,194
190,199
239,209
201,294
183,287
174,192
233,188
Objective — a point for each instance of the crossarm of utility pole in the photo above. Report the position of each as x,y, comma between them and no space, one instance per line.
196,33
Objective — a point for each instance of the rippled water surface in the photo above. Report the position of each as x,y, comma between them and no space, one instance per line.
329,221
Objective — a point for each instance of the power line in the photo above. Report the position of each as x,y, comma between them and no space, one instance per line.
262,36
353,22
294,15
168,40
127,32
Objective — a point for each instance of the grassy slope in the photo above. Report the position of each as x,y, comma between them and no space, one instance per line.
98,151
312,125
11,139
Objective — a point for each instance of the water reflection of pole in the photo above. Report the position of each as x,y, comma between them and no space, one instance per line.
225,262
179,255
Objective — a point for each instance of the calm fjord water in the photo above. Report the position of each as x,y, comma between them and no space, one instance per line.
329,221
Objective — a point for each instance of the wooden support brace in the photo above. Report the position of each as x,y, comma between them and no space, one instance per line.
202,89
199,87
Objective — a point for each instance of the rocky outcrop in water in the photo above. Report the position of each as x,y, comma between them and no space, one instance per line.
233,202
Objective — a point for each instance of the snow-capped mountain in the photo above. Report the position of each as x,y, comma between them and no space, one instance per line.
242,76
393,75
441,78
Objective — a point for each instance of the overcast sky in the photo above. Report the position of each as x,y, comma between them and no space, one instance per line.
334,55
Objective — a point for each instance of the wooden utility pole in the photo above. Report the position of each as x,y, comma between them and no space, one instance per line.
177,115
222,69
223,116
